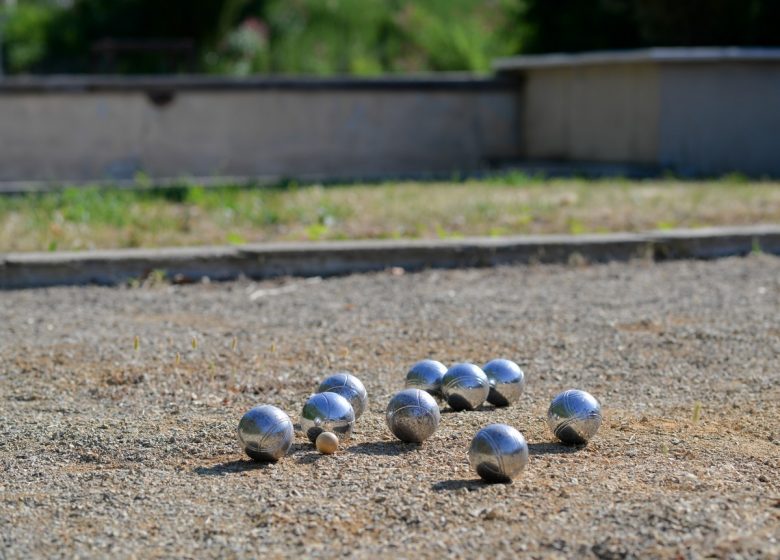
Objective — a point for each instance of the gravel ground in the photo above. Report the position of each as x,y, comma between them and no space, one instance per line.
118,410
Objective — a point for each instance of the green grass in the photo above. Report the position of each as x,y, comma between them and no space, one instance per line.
77,218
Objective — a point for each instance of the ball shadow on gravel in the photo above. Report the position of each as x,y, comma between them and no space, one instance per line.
553,448
457,484
308,458
231,467
480,408
383,448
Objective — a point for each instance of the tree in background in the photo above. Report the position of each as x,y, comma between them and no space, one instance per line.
24,32
367,37
243,37
458,34
580,25
330,37
49,35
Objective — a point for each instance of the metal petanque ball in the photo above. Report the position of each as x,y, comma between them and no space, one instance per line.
412,415
349,387
498,453
327,412
465,386
426,375
574,416
265,433
507,381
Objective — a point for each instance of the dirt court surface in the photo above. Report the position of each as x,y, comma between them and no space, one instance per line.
112,445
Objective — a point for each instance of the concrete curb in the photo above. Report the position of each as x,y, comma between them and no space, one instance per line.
32,270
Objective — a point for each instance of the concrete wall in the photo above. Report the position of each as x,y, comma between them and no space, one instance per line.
719,118
296,128
702,111
597,113
695,111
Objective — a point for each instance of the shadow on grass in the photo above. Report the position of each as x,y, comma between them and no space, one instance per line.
457,484
383,448
553,448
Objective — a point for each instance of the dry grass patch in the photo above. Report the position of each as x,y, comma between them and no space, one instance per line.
88,217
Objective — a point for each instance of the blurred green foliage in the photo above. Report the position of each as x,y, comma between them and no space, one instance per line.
364,37
241,37
367,37
58,36
25,34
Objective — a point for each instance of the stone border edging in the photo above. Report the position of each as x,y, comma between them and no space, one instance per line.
657,55
71,83
187,264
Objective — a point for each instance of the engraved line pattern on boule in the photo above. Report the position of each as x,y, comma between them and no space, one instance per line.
349,387
412,415
265,433
261,447
426,375
574,416
506,380
465,386
498,453
327,412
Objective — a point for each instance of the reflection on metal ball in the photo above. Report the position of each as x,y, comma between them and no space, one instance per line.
498,453
349,387
327,412
412,415
265,433
507,381
574,416
465,386
426,375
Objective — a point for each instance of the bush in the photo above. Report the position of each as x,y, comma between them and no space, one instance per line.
25,35
366,37
43,37
331,37
458,34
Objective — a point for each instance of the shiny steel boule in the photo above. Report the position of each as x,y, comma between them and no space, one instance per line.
265,433
498,453
426,375
349,387
327,412
507,382
574,416
465,386
412,415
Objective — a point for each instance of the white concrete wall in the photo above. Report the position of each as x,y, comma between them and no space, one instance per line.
719,118
701,111
597,113
695,111
352,132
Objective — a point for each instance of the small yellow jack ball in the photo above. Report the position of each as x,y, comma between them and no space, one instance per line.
327,443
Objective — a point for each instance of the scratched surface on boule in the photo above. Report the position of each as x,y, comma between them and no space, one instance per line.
109,449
